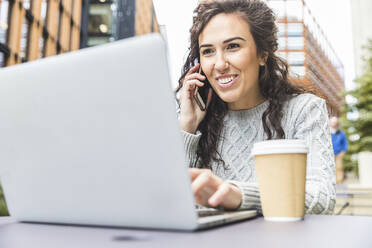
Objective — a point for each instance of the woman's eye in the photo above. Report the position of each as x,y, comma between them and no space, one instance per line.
207,51
232,46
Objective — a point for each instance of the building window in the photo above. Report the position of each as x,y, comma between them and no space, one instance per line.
296,58
2,59
281,29
94,41
282,55
24,35
41,47
3,20
294,29
297,71
295,43
43,9
100,25
100,19
26,4
282,43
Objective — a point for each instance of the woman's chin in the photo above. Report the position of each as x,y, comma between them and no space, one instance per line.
229,98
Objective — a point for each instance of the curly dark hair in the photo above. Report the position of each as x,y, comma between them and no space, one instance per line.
273,76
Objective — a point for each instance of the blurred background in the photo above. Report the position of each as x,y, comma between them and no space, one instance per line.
326,43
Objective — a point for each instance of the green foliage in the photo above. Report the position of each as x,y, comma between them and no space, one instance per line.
359,130
3,208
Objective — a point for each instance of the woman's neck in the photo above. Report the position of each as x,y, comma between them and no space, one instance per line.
334,130
251,102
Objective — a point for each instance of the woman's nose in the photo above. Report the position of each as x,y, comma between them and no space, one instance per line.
221,63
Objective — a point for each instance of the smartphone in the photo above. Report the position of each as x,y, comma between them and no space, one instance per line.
201,93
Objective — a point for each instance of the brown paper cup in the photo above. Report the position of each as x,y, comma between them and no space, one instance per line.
281,172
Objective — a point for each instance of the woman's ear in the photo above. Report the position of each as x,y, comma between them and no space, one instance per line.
263,58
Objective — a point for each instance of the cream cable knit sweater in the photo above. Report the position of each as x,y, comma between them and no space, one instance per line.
305,117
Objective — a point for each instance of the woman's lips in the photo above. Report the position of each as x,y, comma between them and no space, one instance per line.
228,85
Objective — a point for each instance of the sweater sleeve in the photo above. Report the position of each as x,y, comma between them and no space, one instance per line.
312,125
191,142
250,195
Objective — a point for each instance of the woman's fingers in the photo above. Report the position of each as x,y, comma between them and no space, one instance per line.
222,192
189,91
189,88
193,69
204,184
195,76
201,181
194,173
211,191
190,84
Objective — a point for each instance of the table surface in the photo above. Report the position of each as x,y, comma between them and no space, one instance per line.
315,231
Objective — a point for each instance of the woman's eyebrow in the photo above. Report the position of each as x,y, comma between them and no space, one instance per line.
226,41
205,45
234,38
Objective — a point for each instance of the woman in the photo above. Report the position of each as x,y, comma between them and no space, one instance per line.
251,100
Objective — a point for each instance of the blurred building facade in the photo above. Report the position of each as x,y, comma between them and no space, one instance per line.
361,27
32,29
312,60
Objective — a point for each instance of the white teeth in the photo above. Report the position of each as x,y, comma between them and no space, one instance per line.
225,80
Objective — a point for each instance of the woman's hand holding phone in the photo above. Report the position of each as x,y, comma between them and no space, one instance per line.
191,113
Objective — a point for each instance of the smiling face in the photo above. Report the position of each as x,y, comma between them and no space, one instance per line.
229,59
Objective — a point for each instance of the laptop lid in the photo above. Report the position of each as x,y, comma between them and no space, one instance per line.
91,137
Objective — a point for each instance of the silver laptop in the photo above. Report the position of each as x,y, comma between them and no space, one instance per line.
92,137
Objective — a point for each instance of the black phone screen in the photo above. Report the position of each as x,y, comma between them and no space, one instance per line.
203,91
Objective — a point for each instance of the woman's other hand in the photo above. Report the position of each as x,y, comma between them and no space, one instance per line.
211,191
191,115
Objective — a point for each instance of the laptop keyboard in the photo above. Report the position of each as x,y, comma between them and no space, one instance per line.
209,212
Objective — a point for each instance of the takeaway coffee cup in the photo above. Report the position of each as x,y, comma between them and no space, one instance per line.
281,172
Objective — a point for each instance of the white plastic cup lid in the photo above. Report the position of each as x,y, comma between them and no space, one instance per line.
280,146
